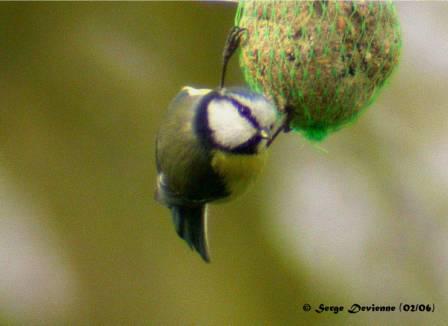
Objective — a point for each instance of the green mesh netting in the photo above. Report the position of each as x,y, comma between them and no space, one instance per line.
322,61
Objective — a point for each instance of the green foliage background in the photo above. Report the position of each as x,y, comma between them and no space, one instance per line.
83,87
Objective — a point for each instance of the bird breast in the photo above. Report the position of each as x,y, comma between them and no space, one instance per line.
238,171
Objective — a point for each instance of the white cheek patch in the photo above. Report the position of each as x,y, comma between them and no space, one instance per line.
229,128
264,111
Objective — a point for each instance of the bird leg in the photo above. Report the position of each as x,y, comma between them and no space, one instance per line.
232,43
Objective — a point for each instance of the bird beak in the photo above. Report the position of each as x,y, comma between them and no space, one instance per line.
265,134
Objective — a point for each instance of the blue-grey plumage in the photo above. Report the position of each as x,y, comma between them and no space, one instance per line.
210,146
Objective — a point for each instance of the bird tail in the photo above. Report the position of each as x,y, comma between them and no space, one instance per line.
191,225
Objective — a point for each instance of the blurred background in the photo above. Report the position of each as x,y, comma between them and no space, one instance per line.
360,218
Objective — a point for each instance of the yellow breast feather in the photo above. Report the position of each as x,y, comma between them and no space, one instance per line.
238,170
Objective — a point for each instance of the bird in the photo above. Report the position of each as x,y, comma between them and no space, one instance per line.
210,146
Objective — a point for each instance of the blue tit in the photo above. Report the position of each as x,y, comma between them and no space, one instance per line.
210,147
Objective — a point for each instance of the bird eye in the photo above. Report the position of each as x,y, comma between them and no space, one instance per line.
243,110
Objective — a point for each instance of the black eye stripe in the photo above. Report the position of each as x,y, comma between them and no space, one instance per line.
245,112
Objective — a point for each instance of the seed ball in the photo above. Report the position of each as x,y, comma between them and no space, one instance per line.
322,62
